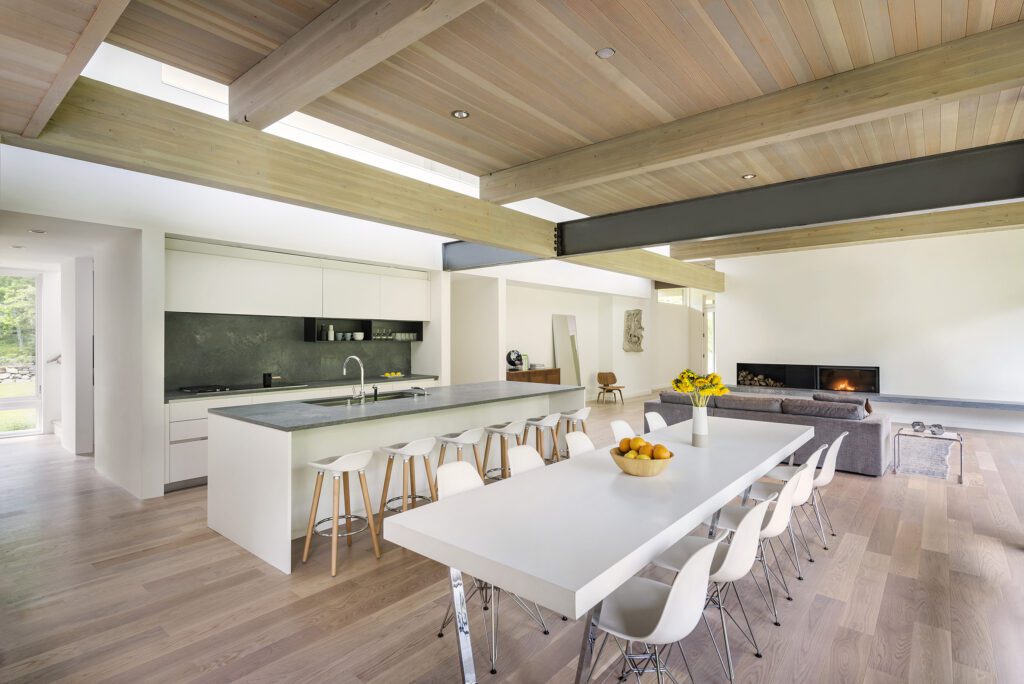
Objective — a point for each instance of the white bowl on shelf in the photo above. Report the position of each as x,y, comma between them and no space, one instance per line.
358,336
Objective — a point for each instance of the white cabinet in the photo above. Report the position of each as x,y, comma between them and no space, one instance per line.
351,294
404,299
212,283
292,395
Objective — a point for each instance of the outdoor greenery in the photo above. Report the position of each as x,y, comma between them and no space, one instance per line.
17,319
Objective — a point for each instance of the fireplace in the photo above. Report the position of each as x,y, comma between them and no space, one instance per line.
803,376
848,378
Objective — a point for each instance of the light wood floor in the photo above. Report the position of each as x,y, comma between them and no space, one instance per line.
925,582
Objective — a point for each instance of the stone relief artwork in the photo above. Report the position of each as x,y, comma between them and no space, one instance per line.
633,331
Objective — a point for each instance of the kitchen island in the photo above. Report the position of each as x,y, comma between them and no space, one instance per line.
260,485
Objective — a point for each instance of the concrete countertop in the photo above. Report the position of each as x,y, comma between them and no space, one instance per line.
290,416
177,395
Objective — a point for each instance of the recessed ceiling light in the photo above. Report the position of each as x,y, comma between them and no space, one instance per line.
37,231
748,176
460,114
17,246
605,53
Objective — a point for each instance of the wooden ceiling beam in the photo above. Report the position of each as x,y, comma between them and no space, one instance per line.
640,262
977,219
100,123
346,39
102,20
985,62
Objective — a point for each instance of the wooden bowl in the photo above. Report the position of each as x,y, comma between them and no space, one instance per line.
638,467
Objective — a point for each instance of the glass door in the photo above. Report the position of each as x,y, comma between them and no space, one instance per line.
19,382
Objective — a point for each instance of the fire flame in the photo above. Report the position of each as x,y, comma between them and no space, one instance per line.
843,386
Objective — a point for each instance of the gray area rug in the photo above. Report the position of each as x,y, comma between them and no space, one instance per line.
929,457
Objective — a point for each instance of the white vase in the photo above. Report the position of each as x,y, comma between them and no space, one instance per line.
700,426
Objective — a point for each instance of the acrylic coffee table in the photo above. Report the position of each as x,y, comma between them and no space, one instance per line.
946,436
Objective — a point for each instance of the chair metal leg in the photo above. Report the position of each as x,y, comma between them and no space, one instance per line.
795,558
824,509
803,537
750,628
768,581
821,527
781,577
725,633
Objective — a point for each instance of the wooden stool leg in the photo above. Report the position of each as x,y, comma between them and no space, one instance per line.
412,481
384,494
405,484
519,442
487,450
431,483
555,455
540,441
369,513
348,509
479,463
334,526
526,433
504,456
583,423
458,453
312,514
440,460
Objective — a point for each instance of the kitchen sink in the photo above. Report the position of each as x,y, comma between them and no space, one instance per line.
349,401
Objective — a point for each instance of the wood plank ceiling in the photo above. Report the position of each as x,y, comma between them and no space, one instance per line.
527,73
43,48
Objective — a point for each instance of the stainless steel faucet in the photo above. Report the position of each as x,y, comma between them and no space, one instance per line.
344,371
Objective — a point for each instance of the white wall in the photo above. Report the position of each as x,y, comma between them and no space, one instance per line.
941,317
129,362
432,356
76,352
667,342
477,322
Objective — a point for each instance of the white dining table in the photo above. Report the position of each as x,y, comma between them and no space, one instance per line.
567,535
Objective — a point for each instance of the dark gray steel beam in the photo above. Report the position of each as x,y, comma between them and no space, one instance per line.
984,174
461,256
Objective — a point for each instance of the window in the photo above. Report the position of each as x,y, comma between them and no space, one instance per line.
709,331
673,295
19,385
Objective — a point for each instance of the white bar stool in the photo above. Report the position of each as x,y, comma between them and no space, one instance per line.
574,420
340,467
407,452
461,440
503,431
552,422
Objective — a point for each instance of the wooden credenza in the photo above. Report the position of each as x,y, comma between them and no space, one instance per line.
550,376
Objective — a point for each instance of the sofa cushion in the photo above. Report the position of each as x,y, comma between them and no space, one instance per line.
843,399
823,409
749,402
682,398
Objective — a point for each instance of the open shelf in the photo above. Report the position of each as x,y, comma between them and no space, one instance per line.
311,328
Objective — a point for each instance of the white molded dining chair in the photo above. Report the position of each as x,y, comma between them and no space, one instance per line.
733,561
804,478
657,614
522,459
453,479
578,443
775,524
622,430
655,421
821,480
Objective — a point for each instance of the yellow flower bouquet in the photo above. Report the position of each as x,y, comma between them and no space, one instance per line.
699,387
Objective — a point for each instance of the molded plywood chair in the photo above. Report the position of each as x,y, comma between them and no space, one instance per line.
621,430
821,480
732,562
578,443
657,614
606,382
340,468
655,421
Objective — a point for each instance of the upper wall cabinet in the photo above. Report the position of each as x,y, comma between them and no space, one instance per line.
404,299
213,283
351,294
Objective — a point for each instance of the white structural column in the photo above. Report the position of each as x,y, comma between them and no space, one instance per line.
76,352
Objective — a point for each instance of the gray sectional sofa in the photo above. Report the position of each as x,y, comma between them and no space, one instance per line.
866,450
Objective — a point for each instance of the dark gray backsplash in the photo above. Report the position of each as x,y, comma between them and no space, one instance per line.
227,349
